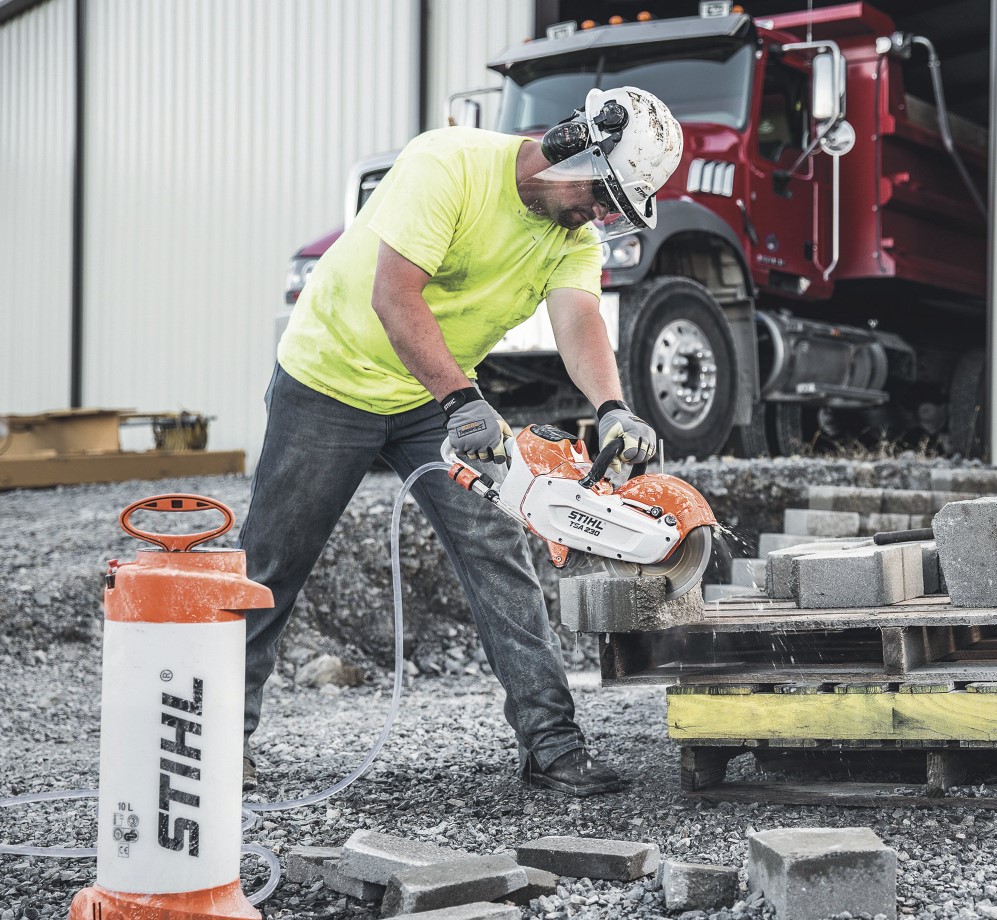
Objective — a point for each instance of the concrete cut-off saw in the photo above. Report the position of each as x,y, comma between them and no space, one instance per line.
651,525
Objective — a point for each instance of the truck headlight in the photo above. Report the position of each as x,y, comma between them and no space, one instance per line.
622,252
297,274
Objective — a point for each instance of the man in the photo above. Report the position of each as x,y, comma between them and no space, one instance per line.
462,239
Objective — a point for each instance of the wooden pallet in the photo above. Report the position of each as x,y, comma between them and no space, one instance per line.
913,685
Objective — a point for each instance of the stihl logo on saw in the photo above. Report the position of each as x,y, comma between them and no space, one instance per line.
585,523
180,747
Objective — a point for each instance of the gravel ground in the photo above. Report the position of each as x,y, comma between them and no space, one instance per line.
446,774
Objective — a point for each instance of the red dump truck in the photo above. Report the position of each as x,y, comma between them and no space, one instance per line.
818,269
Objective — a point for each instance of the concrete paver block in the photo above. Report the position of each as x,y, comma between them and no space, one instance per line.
590,857
982,481
966,536
814,873
821,523
845,498
870,576
870,524
713,593
305,864
606,603
374,857
907,501
539,883
773,542
779,565
479,910
940,499
929,567
689,886
749,573
447,884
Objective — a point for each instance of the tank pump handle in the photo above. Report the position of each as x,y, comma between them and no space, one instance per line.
177,543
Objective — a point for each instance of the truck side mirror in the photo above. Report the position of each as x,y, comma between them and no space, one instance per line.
470,114
828,87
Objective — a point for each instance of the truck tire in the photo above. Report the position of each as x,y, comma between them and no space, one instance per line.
679,365
966,404
751,440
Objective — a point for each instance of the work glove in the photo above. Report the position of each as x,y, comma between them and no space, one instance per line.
477,431
617,421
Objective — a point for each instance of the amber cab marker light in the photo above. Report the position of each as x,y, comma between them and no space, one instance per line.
644,16
588,24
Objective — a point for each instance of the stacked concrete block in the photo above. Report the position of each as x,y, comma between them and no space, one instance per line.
881,522
748,573
867,576
907,501
940,499
480,910
590,857
821,523
845,498
374,857
978,481
814,873
769,543
931,571
966,535
306,864
689,886
450,883
779,565
606,603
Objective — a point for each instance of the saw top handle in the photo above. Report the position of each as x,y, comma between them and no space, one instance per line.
601,463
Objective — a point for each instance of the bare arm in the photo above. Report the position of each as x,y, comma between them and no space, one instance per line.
583,343
412,329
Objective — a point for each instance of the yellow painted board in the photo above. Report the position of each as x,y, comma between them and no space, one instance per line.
953,716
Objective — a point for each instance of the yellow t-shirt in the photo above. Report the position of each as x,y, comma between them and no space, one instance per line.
449,204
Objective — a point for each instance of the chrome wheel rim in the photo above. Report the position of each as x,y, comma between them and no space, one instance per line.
683,374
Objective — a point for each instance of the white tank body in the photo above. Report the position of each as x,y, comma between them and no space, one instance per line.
170,756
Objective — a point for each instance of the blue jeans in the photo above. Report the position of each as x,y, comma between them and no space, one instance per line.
315,453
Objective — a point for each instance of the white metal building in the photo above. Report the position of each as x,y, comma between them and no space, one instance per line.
143,245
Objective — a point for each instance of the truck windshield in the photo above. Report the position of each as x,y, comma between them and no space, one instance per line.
698,84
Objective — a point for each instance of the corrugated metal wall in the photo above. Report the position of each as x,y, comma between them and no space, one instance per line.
463,36
36,174
219,138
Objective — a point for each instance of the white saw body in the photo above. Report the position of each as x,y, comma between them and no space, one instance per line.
653,524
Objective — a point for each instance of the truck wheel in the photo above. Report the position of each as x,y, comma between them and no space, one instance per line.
680,365
966,404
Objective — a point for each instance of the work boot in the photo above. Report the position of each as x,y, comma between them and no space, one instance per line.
248,774
576,773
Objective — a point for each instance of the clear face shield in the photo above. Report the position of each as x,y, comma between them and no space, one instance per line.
584,189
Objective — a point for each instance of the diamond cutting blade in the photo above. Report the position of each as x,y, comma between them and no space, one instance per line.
684,568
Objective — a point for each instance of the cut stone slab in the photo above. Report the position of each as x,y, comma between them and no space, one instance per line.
869,576
606,603
779,565
690,886
306,864
966,536
821,523
981,481
772,542
748,572
590,857
845,498
539,884
479,910
814,873
374,857
450,883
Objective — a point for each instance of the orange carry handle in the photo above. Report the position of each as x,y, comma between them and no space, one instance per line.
176,543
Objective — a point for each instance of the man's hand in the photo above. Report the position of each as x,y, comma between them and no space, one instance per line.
617,421
476,430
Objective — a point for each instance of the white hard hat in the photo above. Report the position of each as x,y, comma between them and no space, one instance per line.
642,142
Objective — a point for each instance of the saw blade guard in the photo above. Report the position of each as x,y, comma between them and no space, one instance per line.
675,496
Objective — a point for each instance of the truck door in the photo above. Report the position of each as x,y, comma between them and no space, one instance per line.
782,208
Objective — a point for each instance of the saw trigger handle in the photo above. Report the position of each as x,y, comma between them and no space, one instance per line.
601,463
